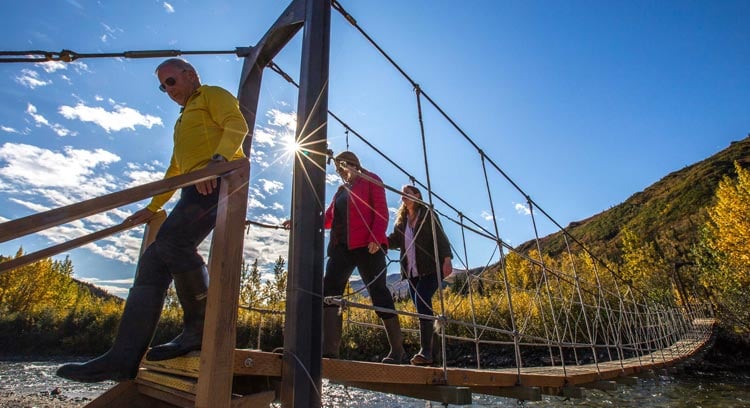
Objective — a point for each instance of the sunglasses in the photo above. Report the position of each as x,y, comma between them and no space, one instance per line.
168,82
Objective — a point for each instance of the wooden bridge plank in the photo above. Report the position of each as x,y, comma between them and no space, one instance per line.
547,380
245,362
172,382
361,371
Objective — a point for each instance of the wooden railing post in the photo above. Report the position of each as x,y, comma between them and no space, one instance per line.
225,262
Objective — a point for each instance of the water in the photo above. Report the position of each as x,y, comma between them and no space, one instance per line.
685,389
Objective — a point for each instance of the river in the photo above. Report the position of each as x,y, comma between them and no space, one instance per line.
686,388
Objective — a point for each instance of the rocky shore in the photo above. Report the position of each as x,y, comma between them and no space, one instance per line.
46,399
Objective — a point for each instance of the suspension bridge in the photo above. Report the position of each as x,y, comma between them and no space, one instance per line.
561,326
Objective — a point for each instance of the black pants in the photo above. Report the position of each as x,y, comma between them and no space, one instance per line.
341,264
175,249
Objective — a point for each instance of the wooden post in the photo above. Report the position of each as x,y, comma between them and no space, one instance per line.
301,381
225,262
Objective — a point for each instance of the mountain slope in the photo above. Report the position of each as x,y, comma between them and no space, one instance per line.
670,210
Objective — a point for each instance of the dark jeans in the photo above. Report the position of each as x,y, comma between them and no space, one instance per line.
175,249
421,290
341,264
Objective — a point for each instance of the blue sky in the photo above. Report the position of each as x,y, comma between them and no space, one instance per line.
581,103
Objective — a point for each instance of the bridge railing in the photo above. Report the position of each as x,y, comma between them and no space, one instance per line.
225,260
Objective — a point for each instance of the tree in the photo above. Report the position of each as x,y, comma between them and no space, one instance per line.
644,268
250,291
275,290
723,253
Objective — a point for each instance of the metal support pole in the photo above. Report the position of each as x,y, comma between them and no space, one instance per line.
301,380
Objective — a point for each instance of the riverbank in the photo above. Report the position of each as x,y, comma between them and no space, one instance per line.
45,399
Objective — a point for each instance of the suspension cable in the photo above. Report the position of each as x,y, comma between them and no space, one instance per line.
70,56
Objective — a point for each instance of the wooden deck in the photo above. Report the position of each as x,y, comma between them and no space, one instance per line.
258,374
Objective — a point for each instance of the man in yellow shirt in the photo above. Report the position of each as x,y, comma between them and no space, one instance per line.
210,130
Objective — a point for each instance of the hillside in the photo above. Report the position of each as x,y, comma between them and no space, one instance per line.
669,212
97,292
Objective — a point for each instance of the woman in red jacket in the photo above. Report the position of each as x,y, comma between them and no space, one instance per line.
425,252
358,218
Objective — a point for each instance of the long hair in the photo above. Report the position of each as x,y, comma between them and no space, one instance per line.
402,212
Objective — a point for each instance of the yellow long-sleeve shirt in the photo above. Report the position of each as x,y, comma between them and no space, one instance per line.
211,123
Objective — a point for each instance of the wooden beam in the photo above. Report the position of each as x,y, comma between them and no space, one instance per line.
565,391
245,362
168,381
361,371
632,381
225,262
60,248
441,393
601,385
169,396
519,392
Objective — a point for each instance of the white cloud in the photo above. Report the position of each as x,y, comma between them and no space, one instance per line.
121,117
168,7
40,120
271,186
487,216
40,179
51,66
286,120
333,179
38,167
258,157
30,79
264,136
266,244
110,32
32,206
522,209
75,4
253,202
139,175
8,129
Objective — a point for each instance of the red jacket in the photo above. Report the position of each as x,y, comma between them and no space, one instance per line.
368,212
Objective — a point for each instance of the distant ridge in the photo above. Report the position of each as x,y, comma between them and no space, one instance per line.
96,291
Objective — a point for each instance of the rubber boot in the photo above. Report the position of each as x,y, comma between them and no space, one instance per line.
192,289
424,357
397,355
137,326
331,332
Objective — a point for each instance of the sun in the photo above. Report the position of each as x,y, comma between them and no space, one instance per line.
290,146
